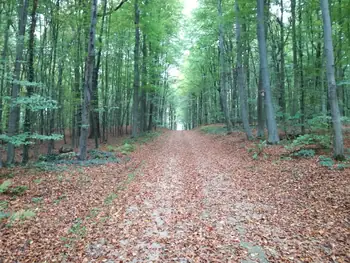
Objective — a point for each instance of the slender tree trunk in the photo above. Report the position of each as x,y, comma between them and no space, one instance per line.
241,77
89,67
30,77
261,115
3,68
94,118
273,137
52,112
223,71
301,73
281,99
143,117
338,146
295,58
14,109
135,107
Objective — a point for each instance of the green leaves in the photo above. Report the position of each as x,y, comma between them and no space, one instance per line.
35,102
25,138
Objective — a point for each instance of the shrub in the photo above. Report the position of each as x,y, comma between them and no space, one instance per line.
37,200
257,149
18,190
214,129
22,215
5,186
326,161
3,204
305,153
127,148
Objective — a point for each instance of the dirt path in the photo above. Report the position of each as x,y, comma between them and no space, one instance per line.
185,208
187,197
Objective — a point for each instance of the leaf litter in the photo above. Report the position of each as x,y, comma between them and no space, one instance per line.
186,197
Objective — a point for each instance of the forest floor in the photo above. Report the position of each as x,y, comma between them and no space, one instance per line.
186,196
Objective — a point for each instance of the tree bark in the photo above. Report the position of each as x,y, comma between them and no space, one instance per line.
273,137
135,106
223,71
89,67
94,119
241,77
143,111
14,109
30,77
338,147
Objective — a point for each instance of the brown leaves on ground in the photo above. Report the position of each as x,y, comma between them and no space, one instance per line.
187,197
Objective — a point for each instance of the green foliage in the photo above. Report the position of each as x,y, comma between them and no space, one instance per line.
305,153
59,199
4,215
109,199
148,136
258,149
5,186
7,175
21,215
214,129
310,139
326,161
111,148
37,200
35,102
38,181
78,228
321,123
97,154
3,204
25,138
61,162
18,190
127,148
341,166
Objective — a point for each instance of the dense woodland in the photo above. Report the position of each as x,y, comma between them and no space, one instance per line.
269,63
92,69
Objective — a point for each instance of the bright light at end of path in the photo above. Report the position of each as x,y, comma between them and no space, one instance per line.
189,5
180,127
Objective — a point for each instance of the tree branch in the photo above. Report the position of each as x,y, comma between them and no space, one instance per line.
116,8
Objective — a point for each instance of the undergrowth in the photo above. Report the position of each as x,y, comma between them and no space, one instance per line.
214,129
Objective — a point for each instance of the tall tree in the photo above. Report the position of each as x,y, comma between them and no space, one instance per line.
223,70
89,67
273,136
241,77
332,87
14,109
30,77
135,106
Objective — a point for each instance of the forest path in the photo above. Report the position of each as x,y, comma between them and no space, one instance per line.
184,197
185,207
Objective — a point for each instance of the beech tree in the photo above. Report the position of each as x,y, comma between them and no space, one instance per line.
89,69
332,87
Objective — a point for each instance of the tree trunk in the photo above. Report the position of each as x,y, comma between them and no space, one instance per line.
94,118
223,71
3,64
241,78
30,77
273,137
135,106
89,67
14,109
338,147
143,117
281,99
